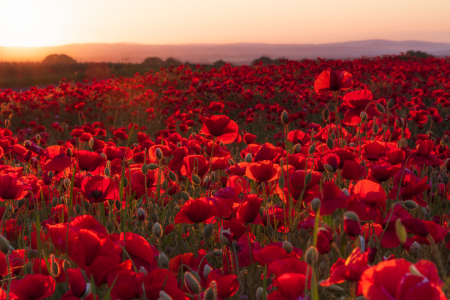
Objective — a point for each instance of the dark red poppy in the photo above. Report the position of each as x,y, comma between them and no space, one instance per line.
249,208
353,170
350,269
263,171
36,286
196,211
356,102
290,286
333,198
11,188
370,200
77,283
89,161
99,189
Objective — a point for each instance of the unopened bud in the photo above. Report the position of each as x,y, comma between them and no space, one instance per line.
260,294
164,296
380,108
163,260
207,231
248,158
315,204
311,255
410,204
144,169
287,247
326,114
192,283
4,245
206,270
172,176
363,116
312,149
352,216
308,178
153,166
401,231
285,118
159,154
157,230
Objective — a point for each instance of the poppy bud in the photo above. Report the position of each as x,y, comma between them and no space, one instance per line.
196,179
141,214
352,144
308,178
334,289
4,245
415,248
210,293
172,176
375,128
380,108
351,224
192,283
330,144
400,122
363,116
391,103
142,270
144,169
117,204
326,114
287,247
205,180
109,227
445,178
38,137
77,209
423,211
312,149
303,232
206,270
55,201
7,123
91,143
185,196
159,154
285,118
311,255
213,176
346,192
164,296
322,267
248,158
315,204
401,231
153,166
298,148
163,260
157,230
281,182
67,183
103,155
225,237
31,253
217,252
207,231
231,162
410,204
260,294
165,184
55,267
328,168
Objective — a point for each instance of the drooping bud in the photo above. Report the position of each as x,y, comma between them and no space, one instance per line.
207,231
206,270
196,180
211,293
185,196
410,204
380,108
391,103
172,176
363,116
334,289
312,149
217,253
225,237
4,245
308,178
159,154
328,168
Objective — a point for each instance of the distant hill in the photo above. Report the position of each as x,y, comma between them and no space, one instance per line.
240,53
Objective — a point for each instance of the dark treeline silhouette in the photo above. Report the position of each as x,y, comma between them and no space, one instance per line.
57,67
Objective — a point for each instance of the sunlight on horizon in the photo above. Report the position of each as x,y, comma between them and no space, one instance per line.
30,23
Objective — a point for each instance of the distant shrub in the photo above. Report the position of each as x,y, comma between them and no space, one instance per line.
58,59
153,61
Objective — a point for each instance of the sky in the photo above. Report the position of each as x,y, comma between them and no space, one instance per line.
32,23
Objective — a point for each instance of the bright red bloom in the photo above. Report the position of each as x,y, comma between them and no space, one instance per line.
333,198
249,209
264,171
77,283
357,102
221,127
290,286
353,170
370,200
227,285
196,211
89,161
11,188
350,269
99,189
332,81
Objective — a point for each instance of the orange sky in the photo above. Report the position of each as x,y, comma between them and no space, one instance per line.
59,22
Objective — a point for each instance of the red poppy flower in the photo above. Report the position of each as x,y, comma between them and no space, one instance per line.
162,280
350,269
333,198
77,282
89,161
370,200
57,164
227,285
290,286
356,102
99,189
32,287
221,127
263,171
196,211
332,81
353,170
11,188
249,208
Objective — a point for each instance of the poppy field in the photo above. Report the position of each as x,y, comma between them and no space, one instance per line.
313,179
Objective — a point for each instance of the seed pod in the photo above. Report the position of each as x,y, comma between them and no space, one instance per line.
328,168
4,245
391,103
153,166
207,231
55,201
311,255
87,206
312,149
315,204
163,260
410,204
287,247
380,108
192,283
248,158
285,118
157,230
